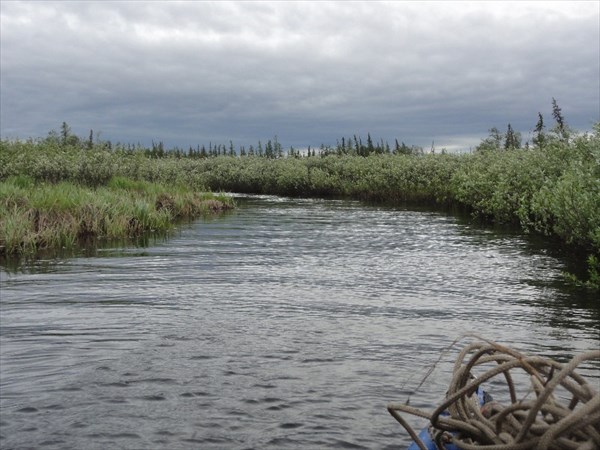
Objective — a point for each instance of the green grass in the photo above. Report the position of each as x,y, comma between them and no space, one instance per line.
38,216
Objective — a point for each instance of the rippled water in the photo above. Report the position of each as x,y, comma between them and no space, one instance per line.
285,324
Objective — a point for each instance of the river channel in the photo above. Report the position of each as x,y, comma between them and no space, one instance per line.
286,323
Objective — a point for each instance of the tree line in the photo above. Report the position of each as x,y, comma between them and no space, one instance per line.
271,149
511,139
353,145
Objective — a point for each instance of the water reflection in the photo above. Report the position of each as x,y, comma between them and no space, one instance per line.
285,324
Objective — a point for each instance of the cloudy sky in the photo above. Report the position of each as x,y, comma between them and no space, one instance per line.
193,72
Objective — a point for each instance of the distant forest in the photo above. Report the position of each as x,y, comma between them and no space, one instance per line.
353,145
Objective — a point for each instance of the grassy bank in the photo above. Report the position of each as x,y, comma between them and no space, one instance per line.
553,191
551,188
40,215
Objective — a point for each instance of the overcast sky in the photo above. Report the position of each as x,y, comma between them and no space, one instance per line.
187,73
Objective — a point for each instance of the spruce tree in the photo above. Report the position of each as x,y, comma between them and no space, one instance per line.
561,126
357,145
557,114
539,140
370,147
509,140
269,149
65,132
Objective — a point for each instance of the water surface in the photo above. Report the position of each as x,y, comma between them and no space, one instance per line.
284,324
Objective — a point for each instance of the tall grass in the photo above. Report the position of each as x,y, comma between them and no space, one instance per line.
36,216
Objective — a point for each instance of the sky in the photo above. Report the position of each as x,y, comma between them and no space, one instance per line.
309,73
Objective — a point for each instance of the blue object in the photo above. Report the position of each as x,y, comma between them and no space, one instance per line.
426,436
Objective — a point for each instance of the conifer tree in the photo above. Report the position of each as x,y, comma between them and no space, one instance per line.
509,140
405,149
65,132
557,114
357,145
269,149
539,140
370,147
277,150
561,126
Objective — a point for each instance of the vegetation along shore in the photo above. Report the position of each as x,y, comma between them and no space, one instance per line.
84,187
37,215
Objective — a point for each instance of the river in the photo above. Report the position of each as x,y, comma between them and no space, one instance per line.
286,323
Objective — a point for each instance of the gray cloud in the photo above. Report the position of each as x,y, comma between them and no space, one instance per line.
194,72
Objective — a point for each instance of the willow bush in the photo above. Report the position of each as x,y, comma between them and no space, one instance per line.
552,188
568,203
391,178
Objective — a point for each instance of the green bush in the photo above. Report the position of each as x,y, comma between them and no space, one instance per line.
552,189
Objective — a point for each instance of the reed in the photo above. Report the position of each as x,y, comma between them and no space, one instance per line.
37,216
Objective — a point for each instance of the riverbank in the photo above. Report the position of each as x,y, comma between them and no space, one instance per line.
550,189
38,215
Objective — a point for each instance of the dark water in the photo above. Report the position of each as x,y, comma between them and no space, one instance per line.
285,324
